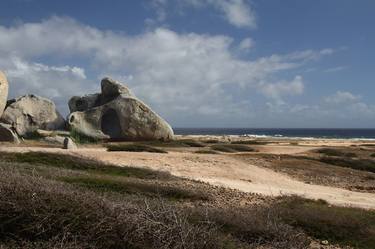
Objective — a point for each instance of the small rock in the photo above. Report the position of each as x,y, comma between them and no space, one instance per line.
324,242
7,134
69,144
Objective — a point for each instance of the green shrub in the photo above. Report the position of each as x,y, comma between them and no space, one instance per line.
81,164
134,148
206,152
80,138
251,142
128,186
346,226
358,164
336,152
231,148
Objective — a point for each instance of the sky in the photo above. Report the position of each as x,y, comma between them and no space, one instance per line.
201,63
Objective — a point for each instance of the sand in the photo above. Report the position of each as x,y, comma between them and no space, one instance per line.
224,170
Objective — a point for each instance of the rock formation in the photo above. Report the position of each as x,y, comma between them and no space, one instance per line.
28,113
7,134
116,113
3,92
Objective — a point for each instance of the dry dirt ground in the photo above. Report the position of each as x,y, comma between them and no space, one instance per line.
225,170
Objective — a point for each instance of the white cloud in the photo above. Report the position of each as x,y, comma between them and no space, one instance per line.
238,13
335,69
283,88
246,44
170,71
341,97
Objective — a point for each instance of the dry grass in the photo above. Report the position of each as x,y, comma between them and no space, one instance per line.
52,201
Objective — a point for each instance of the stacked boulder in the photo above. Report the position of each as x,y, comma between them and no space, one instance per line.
117,114
23,116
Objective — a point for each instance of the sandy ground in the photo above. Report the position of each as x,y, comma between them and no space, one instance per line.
223,170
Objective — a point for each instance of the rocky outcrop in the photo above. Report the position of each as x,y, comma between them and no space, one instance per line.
28,113
116,113
3,92
7,134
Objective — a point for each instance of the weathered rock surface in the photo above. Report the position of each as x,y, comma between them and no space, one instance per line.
28,113
7,134
3,92
51,133
116,113
57,140
69,144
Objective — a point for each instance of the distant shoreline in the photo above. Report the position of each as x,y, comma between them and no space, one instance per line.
283,133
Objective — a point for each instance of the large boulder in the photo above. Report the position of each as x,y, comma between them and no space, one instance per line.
28,113
116,113
3,92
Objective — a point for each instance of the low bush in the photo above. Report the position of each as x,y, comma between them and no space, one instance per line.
336,152
128,186
206,152
346,226
134,148
231,148
78,163
252,142
358,164
80,138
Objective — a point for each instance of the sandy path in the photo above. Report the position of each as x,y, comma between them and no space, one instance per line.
224,171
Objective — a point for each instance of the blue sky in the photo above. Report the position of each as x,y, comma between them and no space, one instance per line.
201,63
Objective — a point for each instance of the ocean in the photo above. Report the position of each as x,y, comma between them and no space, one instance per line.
282,132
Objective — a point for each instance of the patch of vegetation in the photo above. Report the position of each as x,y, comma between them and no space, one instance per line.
372,155
80,138
231,148
346,226
37,213
175,143
206,152
358,164
134,148
127,186
336,152
368,145
77,163
252,142
33,136
211,141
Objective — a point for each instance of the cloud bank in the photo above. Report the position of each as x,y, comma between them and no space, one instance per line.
182,75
